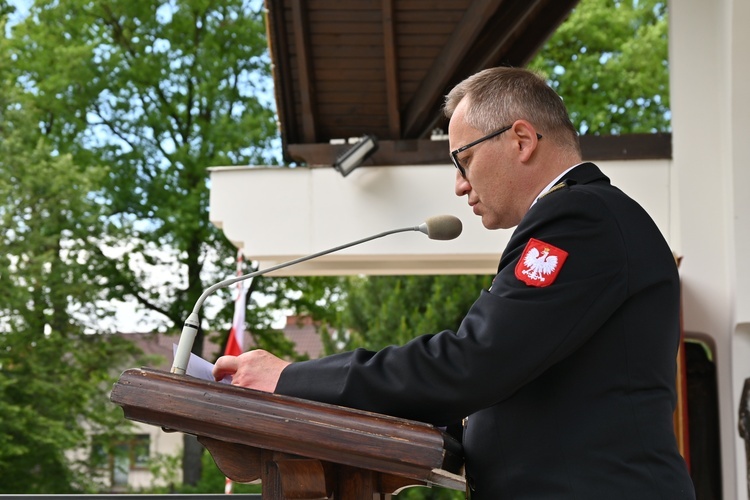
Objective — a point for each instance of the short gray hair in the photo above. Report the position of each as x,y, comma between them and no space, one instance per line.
500,96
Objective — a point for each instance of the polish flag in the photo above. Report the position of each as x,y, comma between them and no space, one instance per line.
235,345
236,339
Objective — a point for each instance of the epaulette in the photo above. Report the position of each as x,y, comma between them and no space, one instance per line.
554,188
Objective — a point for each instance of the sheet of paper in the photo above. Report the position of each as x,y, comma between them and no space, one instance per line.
200,368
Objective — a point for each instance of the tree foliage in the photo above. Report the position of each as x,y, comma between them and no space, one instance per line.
125,104
609,62
54,378
156,92
384,310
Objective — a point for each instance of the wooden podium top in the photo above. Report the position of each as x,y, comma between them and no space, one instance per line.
329,433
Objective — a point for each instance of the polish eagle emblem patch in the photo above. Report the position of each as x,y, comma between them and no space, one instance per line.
540,263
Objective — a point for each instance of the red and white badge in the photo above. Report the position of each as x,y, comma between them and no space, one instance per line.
540,263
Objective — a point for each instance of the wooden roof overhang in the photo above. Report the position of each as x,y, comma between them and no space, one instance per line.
382,67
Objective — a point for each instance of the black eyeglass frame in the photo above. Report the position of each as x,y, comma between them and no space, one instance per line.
456,152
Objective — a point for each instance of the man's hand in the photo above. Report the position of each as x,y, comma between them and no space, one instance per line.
256,369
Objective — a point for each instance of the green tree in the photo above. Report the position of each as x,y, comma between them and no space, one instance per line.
157,92
54,378
384,310
143,97
609,62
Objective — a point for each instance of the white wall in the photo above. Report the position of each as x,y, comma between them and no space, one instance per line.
278,214
709,71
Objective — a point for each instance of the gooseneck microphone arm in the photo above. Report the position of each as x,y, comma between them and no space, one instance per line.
442,227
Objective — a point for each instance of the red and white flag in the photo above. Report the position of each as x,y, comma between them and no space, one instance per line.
235,343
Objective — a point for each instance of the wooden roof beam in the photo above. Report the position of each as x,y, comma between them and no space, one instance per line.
519,27
281,71
391,71
511,29
529,39
454,52
304,71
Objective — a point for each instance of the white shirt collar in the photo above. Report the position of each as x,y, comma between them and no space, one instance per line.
554,181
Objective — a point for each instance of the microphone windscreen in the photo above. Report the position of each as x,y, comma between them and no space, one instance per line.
443,227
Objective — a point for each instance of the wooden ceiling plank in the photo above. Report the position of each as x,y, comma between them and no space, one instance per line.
391,71
336,5
282,76
343,52
349,39
304,71
360,75
344,16
444,67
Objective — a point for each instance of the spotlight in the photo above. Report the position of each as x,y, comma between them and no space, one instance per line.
355,156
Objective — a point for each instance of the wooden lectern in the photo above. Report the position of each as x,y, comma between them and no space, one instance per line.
299,449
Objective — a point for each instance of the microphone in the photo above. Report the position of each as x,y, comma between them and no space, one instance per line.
439,227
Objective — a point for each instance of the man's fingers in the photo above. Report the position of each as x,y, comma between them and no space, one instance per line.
225,365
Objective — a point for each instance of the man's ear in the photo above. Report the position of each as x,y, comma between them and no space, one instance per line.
526,139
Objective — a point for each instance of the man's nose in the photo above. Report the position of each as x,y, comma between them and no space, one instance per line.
462,184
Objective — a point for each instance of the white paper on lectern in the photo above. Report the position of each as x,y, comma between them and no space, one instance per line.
200,368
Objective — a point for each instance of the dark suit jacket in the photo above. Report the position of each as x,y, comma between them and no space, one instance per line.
569,388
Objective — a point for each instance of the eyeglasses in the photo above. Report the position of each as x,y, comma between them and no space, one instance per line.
456,152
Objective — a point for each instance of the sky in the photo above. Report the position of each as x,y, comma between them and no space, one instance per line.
22,8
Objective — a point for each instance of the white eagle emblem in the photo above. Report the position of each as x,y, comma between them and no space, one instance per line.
539,264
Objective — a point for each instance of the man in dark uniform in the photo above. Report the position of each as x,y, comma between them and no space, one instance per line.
566,366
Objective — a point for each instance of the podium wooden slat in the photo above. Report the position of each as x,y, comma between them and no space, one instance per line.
245,430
